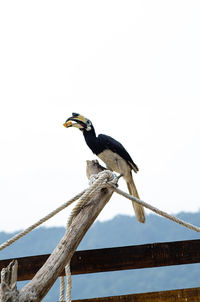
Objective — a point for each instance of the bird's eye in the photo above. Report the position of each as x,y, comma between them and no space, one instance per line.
88,123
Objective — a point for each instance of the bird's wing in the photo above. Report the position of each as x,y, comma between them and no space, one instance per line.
107,142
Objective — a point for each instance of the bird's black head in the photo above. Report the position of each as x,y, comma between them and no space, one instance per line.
79,121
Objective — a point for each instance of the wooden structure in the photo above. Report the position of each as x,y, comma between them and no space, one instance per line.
124,258
44,270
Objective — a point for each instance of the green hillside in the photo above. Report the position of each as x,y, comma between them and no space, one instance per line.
120,231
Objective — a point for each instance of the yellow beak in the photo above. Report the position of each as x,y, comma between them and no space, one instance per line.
67,124
76,120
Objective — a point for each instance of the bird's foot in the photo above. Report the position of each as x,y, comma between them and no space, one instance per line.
119,176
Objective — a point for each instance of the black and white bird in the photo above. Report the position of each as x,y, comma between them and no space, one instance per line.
112,153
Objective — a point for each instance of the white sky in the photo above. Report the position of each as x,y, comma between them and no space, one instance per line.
132,67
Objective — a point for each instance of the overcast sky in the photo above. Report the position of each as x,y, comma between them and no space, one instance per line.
132,67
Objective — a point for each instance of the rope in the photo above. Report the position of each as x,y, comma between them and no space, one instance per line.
62,289
98,183
69,282
42,220
157,211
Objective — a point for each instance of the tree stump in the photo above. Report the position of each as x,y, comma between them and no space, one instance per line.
9,292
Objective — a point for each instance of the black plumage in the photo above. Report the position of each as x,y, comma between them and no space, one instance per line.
104,142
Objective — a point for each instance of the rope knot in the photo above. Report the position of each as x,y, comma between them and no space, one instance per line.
102,177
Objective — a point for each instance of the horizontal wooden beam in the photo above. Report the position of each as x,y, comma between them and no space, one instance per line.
179,295
120,258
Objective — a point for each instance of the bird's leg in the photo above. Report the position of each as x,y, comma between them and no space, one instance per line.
119,176
120,168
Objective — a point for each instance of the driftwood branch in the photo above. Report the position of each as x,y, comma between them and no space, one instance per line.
9,290
38,287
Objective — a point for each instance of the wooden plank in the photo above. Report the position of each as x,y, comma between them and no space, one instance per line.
180,295
135,257
120,258
27,266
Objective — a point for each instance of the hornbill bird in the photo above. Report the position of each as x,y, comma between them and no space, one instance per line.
112,153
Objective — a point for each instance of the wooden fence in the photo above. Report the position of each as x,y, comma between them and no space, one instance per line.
124,258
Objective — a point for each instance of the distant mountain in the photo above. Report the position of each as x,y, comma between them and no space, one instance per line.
120,231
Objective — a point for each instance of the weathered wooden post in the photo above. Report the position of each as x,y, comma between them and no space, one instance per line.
38,287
